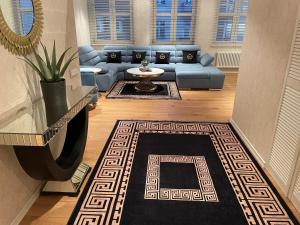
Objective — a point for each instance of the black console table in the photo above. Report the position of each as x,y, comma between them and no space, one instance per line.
32,129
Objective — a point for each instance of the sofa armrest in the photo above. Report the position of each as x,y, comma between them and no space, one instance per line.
88,79
217,78
101,54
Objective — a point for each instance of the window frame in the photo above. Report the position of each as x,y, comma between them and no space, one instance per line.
174,14
112,14
236,15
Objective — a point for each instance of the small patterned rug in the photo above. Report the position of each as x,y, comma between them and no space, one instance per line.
126,90
175,173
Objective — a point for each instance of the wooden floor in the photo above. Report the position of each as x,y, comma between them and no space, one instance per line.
195,106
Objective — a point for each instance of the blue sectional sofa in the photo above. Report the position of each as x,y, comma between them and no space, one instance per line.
186,75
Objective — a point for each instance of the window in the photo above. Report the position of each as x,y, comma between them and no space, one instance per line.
174,21
231,22
24,11
110,21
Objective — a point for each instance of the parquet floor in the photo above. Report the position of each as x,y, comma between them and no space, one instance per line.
195,106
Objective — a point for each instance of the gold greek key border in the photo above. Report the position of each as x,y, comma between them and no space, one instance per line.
103,203
205,193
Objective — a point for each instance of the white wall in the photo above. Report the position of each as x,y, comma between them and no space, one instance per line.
19,86
142,22
205,27
263,67
82,22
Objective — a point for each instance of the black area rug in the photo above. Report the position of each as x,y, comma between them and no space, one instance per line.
126,90
178,173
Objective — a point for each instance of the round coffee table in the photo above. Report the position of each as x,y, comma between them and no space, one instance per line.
145,84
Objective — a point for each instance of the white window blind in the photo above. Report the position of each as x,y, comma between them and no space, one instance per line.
110,21
20,16
230,20
174,21
25,9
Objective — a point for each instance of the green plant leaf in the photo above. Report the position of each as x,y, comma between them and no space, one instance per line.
53,64
61,59
40,62
47,57
62,72
47,73
50,70
48,76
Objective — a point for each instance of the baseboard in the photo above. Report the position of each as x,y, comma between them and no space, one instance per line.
27,206
253,151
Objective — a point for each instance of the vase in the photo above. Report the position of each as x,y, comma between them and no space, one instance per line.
144,68
55,98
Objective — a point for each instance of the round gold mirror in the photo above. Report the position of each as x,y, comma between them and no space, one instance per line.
21,23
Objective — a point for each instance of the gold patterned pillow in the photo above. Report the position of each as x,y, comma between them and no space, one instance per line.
162,58
189,56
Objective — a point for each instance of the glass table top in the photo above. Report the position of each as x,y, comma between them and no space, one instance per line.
37,123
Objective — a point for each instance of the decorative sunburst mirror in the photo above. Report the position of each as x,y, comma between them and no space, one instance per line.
21,25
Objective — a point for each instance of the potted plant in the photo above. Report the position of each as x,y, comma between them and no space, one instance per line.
145,65
51,72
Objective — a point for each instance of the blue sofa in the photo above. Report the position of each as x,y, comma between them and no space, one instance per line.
186,75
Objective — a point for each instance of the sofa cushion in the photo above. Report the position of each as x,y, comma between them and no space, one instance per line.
162,58
214,71
189,56
181,48
192,71
114,57
125,66
108,67
115,48
102,55
163,48
88,56
138,48
138,57
206,59
119,67
103,70
166,67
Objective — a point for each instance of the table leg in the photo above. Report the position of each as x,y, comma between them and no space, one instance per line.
70,187
39,163
145,85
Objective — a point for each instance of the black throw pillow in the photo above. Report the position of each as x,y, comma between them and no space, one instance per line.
114,57
162,58
189,56
138,57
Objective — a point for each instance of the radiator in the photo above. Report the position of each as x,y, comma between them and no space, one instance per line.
228,59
